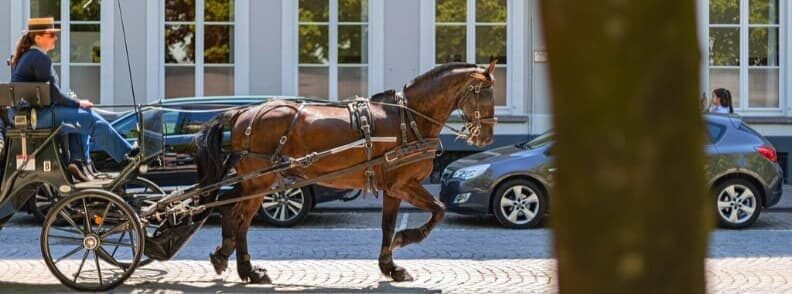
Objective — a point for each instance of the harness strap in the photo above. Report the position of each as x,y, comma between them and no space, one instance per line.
285,136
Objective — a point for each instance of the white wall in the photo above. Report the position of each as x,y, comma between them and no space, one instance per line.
265,47
402,37
135,21
6,40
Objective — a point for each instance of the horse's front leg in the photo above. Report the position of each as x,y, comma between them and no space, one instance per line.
420,198
248,272
390,209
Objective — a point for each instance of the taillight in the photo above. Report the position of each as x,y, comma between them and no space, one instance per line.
768,152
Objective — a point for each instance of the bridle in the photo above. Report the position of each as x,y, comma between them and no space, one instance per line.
472,127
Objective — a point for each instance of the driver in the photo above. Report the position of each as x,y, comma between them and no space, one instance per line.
30,63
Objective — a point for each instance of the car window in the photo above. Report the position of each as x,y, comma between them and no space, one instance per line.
170,119
714,132
539,141
192,122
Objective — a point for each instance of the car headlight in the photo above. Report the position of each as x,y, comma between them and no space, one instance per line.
470,172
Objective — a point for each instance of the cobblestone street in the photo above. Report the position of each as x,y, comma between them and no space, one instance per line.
336,250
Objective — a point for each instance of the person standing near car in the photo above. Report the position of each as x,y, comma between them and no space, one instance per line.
721,101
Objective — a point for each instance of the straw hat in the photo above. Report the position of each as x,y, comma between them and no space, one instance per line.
42,25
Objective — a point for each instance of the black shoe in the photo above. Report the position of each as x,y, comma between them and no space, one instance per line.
76,171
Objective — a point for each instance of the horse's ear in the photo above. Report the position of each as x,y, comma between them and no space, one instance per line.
479,76
491,66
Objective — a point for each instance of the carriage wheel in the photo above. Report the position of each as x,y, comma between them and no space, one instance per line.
140,192
43,199
85,253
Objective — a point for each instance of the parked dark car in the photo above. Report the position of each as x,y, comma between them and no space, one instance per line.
513,182
176,167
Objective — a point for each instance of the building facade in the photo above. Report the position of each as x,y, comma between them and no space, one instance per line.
342,48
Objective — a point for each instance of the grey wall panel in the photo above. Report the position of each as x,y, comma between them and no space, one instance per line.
265,47
6,39
135,21
402,36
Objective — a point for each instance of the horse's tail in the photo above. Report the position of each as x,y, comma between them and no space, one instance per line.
213,163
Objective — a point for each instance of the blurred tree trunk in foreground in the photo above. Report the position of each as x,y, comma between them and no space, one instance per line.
631,213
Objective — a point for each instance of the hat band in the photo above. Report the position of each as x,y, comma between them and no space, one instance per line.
41,27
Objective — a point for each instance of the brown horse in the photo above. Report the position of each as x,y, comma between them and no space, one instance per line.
288,129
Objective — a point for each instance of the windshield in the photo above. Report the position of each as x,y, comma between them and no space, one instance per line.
537,142
152,133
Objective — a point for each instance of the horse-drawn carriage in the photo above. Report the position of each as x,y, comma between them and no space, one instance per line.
98,232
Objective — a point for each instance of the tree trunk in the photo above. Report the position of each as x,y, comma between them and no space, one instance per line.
630,213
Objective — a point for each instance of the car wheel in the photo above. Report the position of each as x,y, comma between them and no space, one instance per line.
286,209
519,204
41,202
737,203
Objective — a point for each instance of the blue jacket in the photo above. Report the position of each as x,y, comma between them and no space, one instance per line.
35,66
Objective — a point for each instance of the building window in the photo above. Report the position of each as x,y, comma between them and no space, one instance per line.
333,37
199,48
474,31
80,38
744,51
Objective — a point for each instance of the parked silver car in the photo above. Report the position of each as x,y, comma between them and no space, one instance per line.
513,182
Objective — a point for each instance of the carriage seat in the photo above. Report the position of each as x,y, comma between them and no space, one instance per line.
24,97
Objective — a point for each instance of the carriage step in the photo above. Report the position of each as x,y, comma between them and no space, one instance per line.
93,184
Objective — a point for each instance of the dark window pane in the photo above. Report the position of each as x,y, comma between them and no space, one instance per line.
219,10
81,13
763,46
451,11
85,82
763,12
193,121
500,85
85,45
724,46
724,11
179,44
218,44
490,44
352,81
353,10
728,78
313,44
314,10
491,11
352,44
179,10
45,8
763,87
218,81
451,44
313,82
179,81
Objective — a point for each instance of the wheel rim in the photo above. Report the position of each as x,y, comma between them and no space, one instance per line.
44,199
736,204
519,204
96,251
284,206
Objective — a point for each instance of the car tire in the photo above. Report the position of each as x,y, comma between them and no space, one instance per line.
287,208
519,204
737,203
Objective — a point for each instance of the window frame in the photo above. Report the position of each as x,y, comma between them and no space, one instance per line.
744,25
155,22
106,24
515,48
290,46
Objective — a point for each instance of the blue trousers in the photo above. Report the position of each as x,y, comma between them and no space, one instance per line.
86,125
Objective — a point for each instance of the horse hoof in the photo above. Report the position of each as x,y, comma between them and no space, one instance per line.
219,262
400,274
259,276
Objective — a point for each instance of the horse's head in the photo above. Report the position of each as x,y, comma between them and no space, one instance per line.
476,103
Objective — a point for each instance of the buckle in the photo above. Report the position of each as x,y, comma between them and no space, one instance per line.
388,155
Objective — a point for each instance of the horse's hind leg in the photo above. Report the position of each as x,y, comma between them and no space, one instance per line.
248,272
219,258
390,209
420,198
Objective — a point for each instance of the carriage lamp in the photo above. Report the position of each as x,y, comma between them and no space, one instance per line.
470,172
462,198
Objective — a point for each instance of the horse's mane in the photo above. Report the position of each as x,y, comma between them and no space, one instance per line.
432,74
